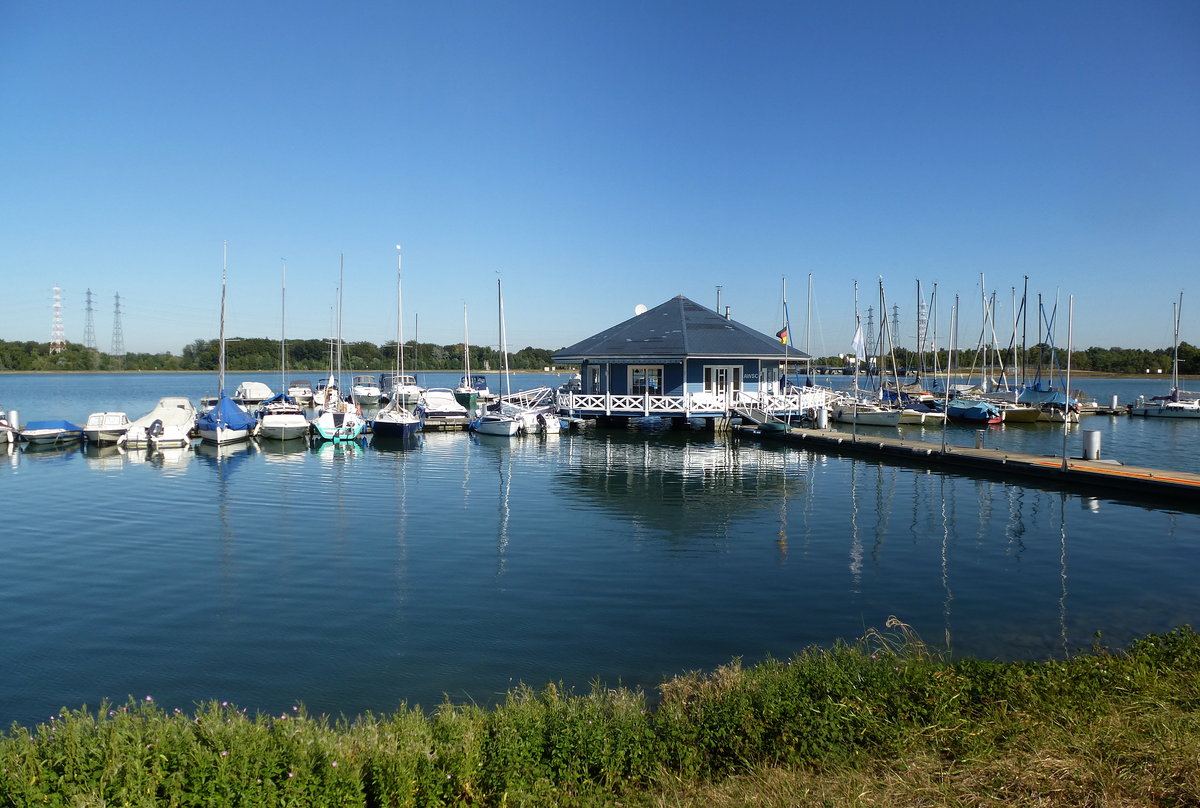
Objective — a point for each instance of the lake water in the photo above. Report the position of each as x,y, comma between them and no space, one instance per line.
356,577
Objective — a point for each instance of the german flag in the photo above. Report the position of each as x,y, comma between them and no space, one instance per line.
783,335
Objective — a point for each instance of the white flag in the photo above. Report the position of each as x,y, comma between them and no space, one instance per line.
856,347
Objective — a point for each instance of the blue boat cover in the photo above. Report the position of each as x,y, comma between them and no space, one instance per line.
226,413
57,424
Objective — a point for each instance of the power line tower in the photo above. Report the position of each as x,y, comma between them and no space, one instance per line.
895,323
118,336
89,327
58,338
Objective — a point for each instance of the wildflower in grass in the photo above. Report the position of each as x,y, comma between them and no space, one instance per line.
149,698
224,753
334,764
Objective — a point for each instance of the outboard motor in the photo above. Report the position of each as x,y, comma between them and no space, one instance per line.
154,431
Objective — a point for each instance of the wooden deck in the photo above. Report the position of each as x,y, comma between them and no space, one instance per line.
1112,477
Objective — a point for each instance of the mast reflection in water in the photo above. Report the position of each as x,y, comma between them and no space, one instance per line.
353,577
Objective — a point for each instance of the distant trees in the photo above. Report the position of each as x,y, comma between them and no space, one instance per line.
259,354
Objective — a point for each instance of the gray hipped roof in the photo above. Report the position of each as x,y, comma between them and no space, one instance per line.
676,329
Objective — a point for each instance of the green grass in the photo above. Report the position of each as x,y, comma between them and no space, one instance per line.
882,722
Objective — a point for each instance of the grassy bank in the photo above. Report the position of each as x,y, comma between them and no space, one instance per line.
882,722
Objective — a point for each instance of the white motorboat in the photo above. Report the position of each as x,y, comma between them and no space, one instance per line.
301,391
364,391
439,408
105,427
170,423
1178,403
400,387
51,433
848,411
250,394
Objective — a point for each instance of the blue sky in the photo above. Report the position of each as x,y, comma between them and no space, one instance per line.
596,155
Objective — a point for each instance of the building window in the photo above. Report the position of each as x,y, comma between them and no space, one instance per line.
593,379
646,379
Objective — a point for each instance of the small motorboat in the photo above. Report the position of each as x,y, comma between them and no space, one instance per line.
301,390
251,394
51,433
170,423
104,428
364,391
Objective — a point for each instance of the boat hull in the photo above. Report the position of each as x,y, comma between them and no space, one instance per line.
497,425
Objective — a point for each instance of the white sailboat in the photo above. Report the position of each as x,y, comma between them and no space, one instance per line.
395,420
1178,403
338,420
497,421
281,417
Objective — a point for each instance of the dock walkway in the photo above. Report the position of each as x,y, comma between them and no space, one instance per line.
1095,474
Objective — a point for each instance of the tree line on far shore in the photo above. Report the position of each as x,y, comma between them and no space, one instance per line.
260,354
313,356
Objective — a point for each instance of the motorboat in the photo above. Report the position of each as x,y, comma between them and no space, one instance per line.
477,382
496,423
439,408
847,410
973,410
105,427
51,433
250,394
364,391
281,418
401,387
169,424
301,391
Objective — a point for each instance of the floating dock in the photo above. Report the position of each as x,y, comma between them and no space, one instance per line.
1077,473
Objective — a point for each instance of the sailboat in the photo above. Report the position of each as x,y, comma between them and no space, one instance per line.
497,421
466,393
226,422
395,420
1178,403
338,420
281,417
854,409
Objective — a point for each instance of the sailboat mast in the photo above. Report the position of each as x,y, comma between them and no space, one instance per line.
466,350
283,332
221,360
503,336
399,319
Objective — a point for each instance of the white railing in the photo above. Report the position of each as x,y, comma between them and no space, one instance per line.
798,399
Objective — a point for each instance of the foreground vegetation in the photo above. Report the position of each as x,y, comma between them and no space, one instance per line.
883,722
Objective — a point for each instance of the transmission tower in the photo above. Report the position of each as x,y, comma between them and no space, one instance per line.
871,330
89,327
118,337
895,323
58,338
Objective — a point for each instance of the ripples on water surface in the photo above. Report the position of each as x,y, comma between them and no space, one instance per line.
352,578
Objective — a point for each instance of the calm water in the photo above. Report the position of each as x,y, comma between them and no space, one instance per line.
354,578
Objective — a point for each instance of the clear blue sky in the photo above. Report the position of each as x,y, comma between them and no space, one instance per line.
598,155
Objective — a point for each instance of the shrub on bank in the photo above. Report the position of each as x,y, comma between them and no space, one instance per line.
885,699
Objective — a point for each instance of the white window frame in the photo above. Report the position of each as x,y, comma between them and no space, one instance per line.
645,372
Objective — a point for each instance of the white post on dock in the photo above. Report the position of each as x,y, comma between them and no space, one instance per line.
1091,444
